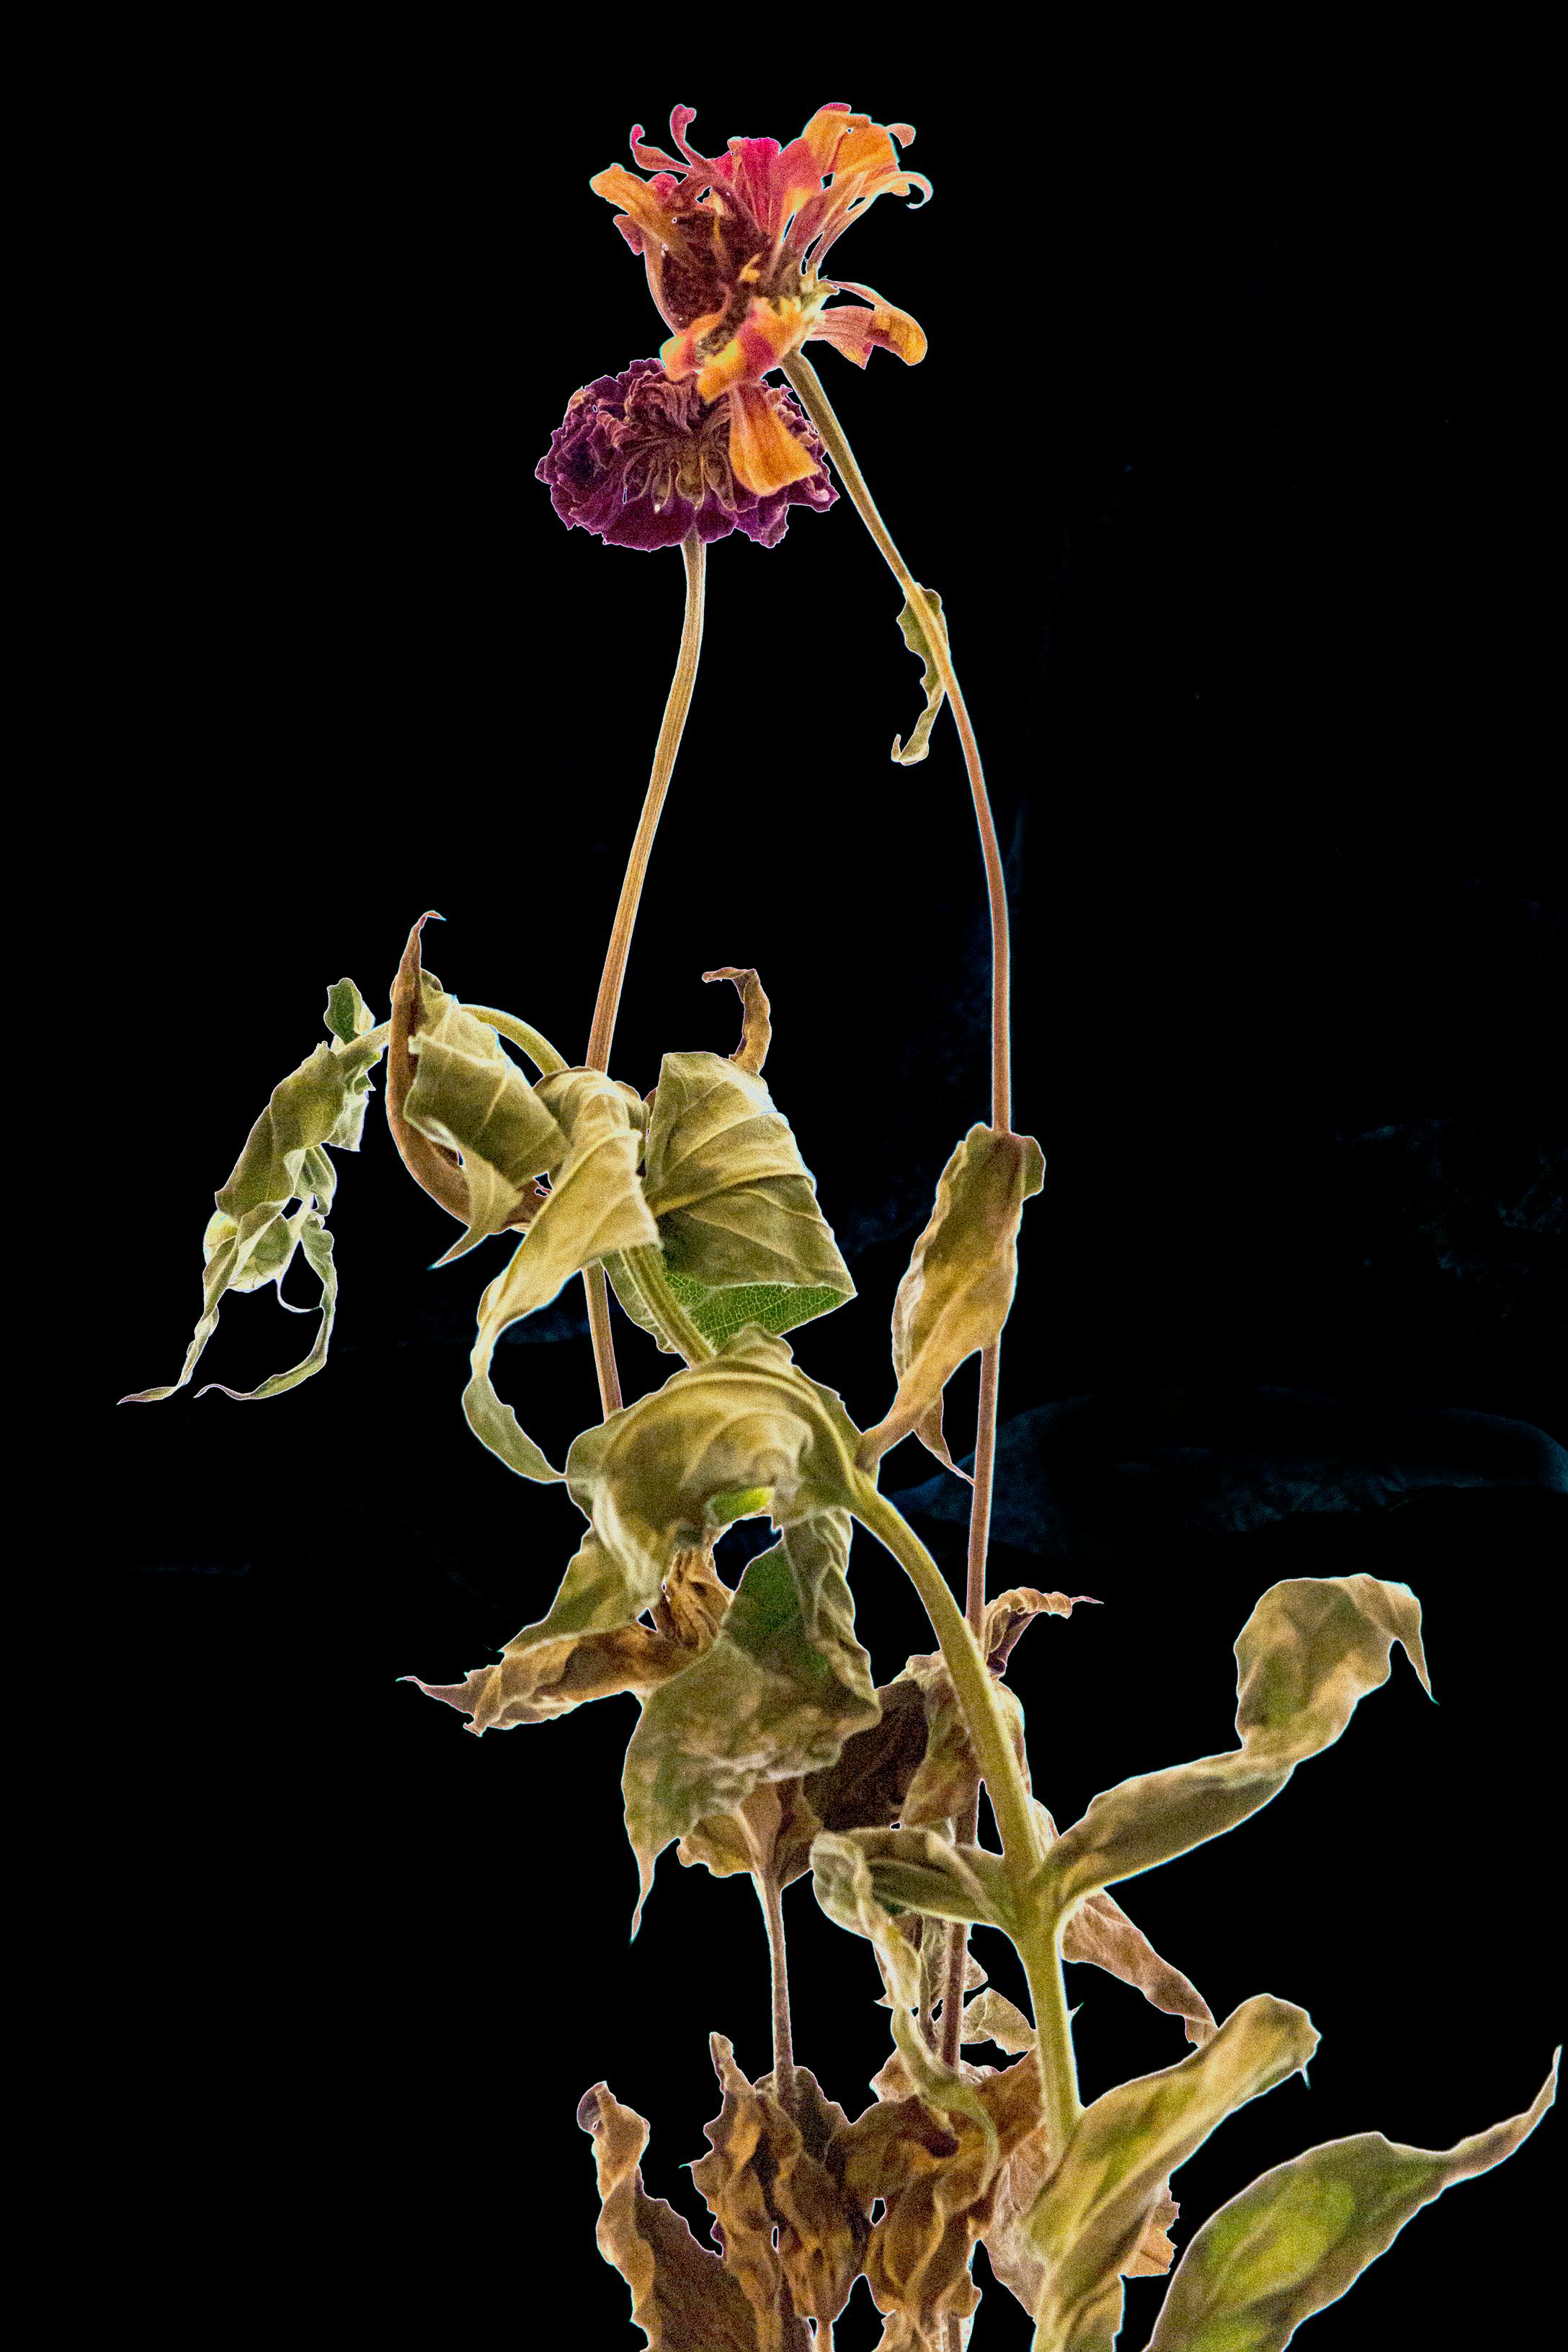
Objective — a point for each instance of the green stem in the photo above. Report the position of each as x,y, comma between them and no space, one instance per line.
644,1264
539,1050
1036,1937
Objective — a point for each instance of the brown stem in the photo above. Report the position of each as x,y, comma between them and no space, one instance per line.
608,1002
769,1896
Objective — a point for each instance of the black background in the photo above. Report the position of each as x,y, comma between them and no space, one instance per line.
1220,460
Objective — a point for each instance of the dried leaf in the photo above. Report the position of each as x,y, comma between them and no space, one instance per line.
1100,1932
742,1434
756,1028
1010,1614
1299,2237
865,1787
433,1166
948,1774
469,1096
912,627
681,2294
596,1206
774,1698
1312,1647
735,1202
252,1240
954,1298
1099,2199
348,1014
759,2164
994,2018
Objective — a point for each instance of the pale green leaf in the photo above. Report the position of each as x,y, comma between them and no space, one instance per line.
913,628
775,1696
734,1201
1299,2237
251,1240
1312,1648
594,1208
775,1306
955,1296
348,1014
1098,2200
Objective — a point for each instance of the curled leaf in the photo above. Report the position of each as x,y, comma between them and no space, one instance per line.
1301,2235
1010,1614
954,1298
471,1098
735,1203
741,1434
681,2294
774,1698
759,2166
756,1028
1311,1649
1100,1932
1098,2201
348,1014
433,1166
912,626
252,1239
596,1206
994,2018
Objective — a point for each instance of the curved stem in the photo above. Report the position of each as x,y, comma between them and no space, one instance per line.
644,1264
1036,1933
608,1002
803,377
539,1050
609,999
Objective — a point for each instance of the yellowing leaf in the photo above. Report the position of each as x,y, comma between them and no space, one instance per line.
774,1698
1087,2222
955,1296
1099,1931
469,1097
252,1239
756,2151
596,1207
681,2294
756,1026
913,628
1312,1647
1299,2237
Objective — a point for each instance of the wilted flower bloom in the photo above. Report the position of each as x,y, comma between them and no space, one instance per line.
733,245
643,460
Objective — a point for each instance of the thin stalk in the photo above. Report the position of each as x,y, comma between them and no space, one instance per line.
1036,1934
814,400
644,1264
539,1050
769,1896
608,1002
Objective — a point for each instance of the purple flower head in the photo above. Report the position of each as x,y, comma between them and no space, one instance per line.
642,461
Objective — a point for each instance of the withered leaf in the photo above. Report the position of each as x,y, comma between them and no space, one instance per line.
994,2018
774,1698
252,1238
1300,2236
596,1206
865,1787
954,1298
1010,1614
1099,2199
742,1434
912,626
760,2179
944,1784
1312,1647
756,1026
681,2294
1100,1932
735,1203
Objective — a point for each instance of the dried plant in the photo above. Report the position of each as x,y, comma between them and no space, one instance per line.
763,1745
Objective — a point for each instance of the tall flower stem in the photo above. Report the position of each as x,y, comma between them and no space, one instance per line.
608,1004
808,389
768,1895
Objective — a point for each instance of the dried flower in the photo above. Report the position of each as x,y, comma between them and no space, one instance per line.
643,460
733,245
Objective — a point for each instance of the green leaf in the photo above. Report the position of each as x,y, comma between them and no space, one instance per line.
251,1241
914,636
469,1097
734,1201
1311,1649
955,1296
596,1207
1087,2219
774,1698
774,1307
348,1014
1299,2237
744,1433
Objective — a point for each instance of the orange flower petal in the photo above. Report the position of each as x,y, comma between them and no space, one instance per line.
678,357
768,333
766,456
857,333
